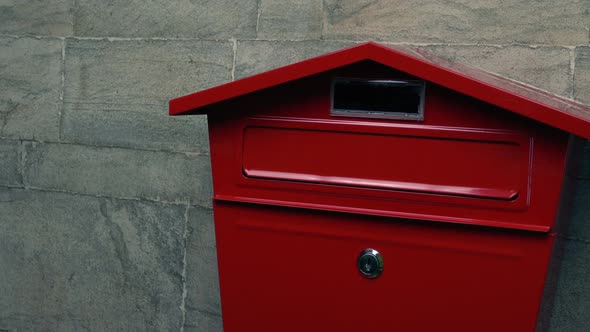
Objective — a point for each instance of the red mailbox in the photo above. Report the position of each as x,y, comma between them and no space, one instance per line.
382,189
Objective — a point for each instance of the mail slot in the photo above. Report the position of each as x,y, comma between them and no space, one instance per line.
383,189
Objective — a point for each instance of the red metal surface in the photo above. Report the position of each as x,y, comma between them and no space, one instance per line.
462,205
295,270
498,166
467,162
528,101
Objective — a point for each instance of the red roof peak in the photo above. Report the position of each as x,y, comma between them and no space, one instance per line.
517,97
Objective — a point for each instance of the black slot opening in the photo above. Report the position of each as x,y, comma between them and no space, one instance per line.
398,99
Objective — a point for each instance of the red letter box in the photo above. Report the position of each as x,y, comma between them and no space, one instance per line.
381,189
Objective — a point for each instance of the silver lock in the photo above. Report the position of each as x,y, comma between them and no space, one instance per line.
370,263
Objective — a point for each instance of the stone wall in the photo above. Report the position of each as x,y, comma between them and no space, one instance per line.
105,209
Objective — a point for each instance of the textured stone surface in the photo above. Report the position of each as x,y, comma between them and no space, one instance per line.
118,172
190,19
36,17
460,21
582,75
203,310
150,128
570,311
545,67
288,19
202,285
9,163
131,73
30,83
202,321
79,263
117,93
253,57
201,228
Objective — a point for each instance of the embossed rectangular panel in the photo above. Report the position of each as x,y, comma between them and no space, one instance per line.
492,165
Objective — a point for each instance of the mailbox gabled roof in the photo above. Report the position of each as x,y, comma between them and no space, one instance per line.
519,98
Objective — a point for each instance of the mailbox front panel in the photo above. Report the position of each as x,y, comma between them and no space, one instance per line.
462,168
286,269
349,195
461,205
466,162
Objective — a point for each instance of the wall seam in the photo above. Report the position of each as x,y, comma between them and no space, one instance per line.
258,12
29,36
184,263
324,21
132,199
207,312
233,66
61,107
21,161
573,72
353,41
106,146
74,5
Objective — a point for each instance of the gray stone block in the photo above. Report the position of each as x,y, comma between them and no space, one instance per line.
138,73
190,19
572,300
30,84
125,173
253,57
547,68
204,321
117,92
148,128
458,21
202,282
292,20
45,18
76,263
582,75
201,228
9,163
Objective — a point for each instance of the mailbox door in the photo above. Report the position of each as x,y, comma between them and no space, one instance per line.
288,269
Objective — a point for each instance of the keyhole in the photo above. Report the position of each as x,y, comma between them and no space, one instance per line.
370,263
